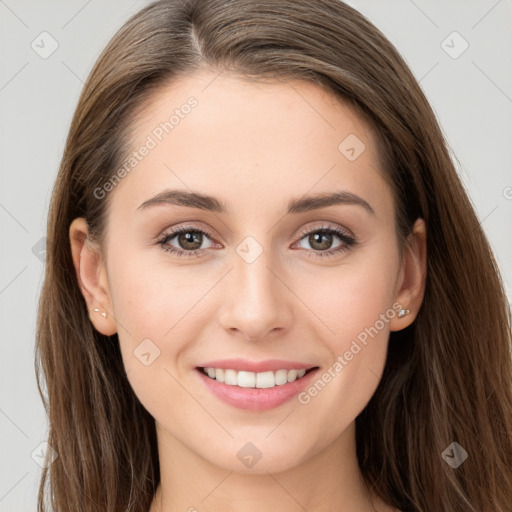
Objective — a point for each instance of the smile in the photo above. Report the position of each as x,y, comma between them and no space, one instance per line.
259,380
255,391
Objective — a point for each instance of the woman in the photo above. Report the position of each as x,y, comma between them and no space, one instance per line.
266,288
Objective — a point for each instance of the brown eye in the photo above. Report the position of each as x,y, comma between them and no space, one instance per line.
190,240
187,241
321,239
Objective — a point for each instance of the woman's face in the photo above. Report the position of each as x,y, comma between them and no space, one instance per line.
267,271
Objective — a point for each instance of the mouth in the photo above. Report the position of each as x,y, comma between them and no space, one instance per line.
260,380
256,391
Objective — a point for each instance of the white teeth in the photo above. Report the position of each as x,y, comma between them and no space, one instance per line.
230,377
281,377
251,379
265,380
292,375
246,379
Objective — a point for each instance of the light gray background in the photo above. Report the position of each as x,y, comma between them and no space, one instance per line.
471,95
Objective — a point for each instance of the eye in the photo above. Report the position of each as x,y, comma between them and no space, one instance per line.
320,238
188,237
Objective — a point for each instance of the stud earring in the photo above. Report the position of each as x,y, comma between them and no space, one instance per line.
403,312
102,313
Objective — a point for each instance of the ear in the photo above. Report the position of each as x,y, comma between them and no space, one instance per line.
92,277
413,274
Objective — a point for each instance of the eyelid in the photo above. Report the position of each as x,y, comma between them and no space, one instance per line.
168,232
326,226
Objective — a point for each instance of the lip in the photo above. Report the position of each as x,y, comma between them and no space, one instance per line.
256,399
269,365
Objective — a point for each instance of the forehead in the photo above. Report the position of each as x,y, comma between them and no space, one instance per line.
250,142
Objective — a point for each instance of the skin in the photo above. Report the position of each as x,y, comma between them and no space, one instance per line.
254,147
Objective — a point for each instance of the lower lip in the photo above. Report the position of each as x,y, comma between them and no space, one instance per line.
256,399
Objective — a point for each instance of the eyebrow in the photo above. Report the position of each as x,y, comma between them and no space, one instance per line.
300,205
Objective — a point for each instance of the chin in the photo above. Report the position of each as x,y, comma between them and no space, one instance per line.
258,457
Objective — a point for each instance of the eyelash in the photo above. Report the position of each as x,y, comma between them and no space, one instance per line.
348,241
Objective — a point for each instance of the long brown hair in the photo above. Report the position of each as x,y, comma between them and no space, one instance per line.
448,376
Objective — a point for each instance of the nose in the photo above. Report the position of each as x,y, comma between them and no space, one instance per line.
257,300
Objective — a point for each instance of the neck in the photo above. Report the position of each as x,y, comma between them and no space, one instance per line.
330,480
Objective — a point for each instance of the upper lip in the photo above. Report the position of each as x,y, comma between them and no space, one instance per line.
256,366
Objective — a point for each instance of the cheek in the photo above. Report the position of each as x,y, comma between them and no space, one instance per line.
159,309
148,304
150,296
355,308
351,297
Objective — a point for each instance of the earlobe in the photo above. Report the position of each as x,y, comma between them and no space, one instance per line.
91,275
413,277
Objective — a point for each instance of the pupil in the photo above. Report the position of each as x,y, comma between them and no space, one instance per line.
316,238
190,237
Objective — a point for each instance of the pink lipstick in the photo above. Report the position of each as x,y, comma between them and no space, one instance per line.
255,385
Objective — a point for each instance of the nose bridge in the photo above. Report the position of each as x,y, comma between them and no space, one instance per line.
256,302
252,270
